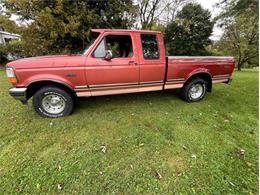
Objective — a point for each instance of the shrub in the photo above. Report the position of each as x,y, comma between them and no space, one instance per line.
11,51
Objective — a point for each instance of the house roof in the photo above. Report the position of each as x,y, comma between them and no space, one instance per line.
10,34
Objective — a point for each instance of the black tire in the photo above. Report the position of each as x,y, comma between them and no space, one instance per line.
185,91
51,91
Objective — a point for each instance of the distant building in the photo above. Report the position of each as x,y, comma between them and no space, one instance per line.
5,37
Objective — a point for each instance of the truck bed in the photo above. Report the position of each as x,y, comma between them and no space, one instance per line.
180,68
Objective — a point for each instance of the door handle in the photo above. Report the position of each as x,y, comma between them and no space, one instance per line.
132,62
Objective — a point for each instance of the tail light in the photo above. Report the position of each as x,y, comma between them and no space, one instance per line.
11,75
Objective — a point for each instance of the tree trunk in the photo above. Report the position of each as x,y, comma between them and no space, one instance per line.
239,66
239,61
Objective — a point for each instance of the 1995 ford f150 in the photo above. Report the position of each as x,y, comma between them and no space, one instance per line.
116,62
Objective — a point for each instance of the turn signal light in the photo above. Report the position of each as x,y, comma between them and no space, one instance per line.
11,75
12,80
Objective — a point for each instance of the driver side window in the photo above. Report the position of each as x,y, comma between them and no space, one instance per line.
119,45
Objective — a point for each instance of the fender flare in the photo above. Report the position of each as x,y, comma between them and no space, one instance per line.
201,71
50,80
39,82
198,71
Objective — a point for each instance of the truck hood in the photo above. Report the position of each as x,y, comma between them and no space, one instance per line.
47,61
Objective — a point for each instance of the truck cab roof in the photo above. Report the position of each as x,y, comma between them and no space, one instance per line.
123,30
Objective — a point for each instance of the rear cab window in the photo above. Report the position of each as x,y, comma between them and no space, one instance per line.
150,46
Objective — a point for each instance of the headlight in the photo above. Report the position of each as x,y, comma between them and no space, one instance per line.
11,75
10,72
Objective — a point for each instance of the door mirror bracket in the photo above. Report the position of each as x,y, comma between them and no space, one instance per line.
108,55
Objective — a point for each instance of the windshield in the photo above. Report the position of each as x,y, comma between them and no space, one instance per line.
93,37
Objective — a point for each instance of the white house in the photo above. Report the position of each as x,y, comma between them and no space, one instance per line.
6,36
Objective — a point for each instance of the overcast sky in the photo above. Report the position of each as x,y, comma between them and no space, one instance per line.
210,5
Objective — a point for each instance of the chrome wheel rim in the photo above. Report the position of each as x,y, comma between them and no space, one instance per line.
53,104
196,91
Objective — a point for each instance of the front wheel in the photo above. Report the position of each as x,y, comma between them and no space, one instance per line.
53,102
194,90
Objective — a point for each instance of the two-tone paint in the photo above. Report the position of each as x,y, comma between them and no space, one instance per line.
89,76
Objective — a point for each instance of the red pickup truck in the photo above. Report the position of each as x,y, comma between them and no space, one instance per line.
116,62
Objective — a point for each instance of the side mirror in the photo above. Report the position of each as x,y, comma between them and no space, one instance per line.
108,55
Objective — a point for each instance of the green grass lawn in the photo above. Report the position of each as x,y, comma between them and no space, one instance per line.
119,144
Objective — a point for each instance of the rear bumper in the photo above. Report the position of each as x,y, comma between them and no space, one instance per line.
19,94
229,81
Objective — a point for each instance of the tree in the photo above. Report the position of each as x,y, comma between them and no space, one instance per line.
12,49
8,25
147,12
233,8
239,19
153,12
62,26
240,40
189,33
12,46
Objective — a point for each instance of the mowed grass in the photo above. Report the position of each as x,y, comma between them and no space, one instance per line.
135,143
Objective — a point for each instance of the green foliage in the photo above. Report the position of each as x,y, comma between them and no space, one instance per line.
233,8
189,33
240,6
143,133
158,27
12,48
62,26
240,39
8,25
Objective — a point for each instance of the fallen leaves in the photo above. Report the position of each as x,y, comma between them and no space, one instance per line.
76,162
178,174
231,183
241,152
158,175
103,149
184,147
60,186
249,164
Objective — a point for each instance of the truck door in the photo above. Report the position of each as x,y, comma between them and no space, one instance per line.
152,61
113,66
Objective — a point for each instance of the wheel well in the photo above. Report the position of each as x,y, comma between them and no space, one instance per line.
206,77
35,86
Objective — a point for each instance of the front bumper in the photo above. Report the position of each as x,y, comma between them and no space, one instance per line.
19,94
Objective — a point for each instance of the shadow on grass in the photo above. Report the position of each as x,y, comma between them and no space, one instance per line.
124,99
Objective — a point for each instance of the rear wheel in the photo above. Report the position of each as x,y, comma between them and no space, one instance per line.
194,90
53,102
